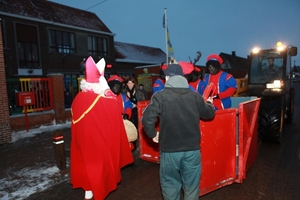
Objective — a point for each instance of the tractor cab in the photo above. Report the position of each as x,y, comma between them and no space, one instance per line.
268,66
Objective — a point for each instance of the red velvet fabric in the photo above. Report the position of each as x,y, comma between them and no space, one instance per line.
99,144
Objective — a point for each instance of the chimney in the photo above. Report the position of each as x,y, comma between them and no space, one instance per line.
233,54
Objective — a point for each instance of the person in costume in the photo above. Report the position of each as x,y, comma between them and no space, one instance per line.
159,83
125,105
194,78
224,82
188,72
99,145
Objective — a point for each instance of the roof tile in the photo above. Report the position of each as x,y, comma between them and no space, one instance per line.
54,12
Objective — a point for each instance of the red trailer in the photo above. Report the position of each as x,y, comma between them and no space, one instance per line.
229,144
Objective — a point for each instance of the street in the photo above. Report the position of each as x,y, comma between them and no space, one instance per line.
274,175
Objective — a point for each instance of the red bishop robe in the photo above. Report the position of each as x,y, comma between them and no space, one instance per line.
99,144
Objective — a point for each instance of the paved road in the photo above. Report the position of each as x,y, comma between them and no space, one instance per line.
275,175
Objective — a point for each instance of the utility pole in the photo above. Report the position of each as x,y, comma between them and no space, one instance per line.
294,63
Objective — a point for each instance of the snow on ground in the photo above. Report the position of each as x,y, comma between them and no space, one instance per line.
20,184
28,181
32,132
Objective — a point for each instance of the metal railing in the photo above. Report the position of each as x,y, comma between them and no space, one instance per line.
41,87
78,82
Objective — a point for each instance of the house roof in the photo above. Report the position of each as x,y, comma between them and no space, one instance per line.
237,66
235,62
133,53
53,12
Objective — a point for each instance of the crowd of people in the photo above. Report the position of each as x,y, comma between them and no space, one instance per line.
179,107
225,84
177,101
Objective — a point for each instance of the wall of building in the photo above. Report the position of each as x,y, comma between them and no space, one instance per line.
5,131
59,115
35,120
51,62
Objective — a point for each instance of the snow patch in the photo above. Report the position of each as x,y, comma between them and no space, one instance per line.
32,132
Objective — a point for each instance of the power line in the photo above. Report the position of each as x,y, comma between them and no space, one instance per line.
96,5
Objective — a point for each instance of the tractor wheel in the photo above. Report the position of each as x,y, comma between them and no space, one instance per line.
270,119
290,107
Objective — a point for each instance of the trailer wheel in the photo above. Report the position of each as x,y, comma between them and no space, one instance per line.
290,107
270,119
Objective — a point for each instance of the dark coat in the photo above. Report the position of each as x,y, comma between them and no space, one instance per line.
179,110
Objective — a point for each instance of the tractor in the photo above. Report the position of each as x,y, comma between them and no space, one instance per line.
269,78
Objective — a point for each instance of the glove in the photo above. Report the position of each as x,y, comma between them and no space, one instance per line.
125,116
210,100
216,96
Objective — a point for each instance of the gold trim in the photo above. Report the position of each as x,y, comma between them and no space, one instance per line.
87,111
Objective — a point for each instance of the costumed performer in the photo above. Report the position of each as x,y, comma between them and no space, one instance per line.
159,83
225,83
99,145
125,105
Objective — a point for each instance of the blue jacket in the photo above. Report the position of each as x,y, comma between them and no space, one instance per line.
223,85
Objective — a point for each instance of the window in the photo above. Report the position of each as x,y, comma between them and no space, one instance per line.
28,55
97,46
62,42
27,46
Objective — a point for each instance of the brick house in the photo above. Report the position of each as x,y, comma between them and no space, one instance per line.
42,37
45,39
53,38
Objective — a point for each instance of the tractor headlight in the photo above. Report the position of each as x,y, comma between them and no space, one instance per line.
275,85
